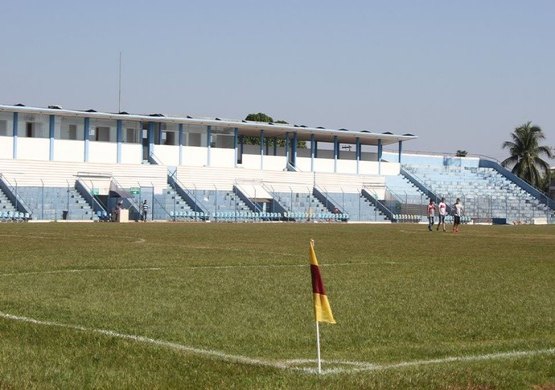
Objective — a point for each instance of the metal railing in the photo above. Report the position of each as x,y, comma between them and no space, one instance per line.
327,200
276,206
49,201
252,205
127,199
484,163
190,196
87,194
12,194
156,206
511,208
373,198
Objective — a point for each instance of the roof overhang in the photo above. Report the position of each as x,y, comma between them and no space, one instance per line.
246,128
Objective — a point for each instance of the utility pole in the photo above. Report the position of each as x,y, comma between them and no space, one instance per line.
119,89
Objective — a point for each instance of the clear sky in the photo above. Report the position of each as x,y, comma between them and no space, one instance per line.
458,74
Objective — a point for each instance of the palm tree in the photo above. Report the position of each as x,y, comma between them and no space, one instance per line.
526,154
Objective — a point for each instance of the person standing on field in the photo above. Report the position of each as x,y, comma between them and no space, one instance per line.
431,213
457,214
145,211
442,208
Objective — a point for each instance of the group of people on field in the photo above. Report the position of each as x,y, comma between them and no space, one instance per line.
457,211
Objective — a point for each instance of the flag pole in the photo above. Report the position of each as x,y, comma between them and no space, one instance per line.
318,347
322,310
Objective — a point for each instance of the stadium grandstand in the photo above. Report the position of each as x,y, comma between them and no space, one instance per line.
58,164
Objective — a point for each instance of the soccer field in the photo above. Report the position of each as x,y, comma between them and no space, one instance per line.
230,306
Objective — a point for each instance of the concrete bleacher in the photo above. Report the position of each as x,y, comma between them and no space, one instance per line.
214,190
49,188
7,209
406,199
221,204
221,178
345,193
97,175
5,204
172,205
292,191
303,206
211,194
56,203
58,190
356,206
485,194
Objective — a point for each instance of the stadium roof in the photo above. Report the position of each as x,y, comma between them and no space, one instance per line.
248,128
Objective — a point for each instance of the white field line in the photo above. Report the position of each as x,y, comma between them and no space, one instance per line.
66,271
346,366
51,236
147,340
283,265
200,267
340,366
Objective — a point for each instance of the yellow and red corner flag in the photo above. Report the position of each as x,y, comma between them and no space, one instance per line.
322,309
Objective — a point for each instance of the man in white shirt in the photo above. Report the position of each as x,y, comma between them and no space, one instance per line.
457,214
442,214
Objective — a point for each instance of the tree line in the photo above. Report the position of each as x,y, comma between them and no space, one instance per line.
261,117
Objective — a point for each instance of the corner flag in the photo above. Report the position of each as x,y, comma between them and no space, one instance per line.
322,309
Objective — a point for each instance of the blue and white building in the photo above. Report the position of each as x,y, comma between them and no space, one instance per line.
74,164
55,134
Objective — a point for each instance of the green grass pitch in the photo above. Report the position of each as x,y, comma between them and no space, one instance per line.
230,306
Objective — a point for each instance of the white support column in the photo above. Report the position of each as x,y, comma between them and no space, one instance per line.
312,152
